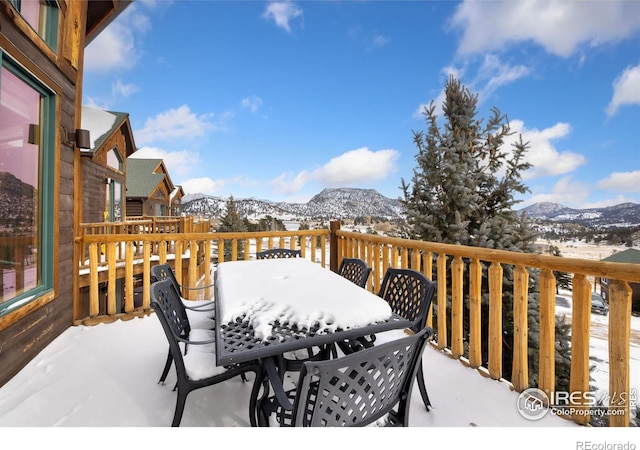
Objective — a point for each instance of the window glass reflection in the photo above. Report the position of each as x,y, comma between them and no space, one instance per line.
20,109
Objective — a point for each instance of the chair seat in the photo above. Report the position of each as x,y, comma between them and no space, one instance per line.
198,321
204,306
391,335
297,355
200,360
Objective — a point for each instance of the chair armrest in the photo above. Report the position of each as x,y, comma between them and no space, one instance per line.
201,308
196,288
188,342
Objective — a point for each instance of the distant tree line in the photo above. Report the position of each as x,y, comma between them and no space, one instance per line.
614,236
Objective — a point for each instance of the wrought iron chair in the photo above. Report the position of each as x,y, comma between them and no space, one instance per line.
201,314
354,390
409,293
197,367
276,253
355,270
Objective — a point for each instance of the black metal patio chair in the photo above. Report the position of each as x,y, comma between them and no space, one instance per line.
276,253
354,390
197,367
409,293
201,314
355,270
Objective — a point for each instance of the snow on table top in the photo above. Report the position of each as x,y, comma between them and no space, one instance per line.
295,290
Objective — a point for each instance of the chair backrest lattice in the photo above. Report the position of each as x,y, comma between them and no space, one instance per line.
276,253
360,388
166,301
409,293
161,272
355,270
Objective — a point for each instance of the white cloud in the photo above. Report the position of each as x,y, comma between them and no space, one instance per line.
253,103
116,46
621,181
357,166
204,185
286,184
561,27
626,90
565,192
180,123
179,163
112,49
547,160
282,13
491,75
118,88
380,40
360,166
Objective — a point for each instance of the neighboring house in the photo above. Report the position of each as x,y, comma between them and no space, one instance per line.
104,165
176,201
631,256
150,191
42,46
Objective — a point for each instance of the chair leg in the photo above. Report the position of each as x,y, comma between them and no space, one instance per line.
180,402
253,399
167,366
422,387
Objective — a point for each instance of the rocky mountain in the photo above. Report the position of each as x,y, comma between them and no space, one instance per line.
17,204
349,203
622,215
329,204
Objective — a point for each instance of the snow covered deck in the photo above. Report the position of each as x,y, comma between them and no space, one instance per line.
106,376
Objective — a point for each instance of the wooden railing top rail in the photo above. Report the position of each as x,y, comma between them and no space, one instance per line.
197,236
614,270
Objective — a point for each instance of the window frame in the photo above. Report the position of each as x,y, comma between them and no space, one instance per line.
46,229
48,24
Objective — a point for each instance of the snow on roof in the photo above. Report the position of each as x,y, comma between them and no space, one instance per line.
98,122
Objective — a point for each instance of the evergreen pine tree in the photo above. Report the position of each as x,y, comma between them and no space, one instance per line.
233,221
463,192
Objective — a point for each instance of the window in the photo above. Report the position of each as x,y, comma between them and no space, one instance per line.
43,18
27,151
114,160
113,211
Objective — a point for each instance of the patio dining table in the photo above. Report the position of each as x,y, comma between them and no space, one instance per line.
266,308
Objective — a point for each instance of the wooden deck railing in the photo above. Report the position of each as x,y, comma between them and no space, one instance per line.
113,278
460,263
458,271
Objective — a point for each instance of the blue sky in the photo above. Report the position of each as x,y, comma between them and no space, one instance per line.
278,100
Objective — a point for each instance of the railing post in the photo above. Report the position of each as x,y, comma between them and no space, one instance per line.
619,363
457,267
475,313
442,300
334,226
546,356
495,320
580,333
520,374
